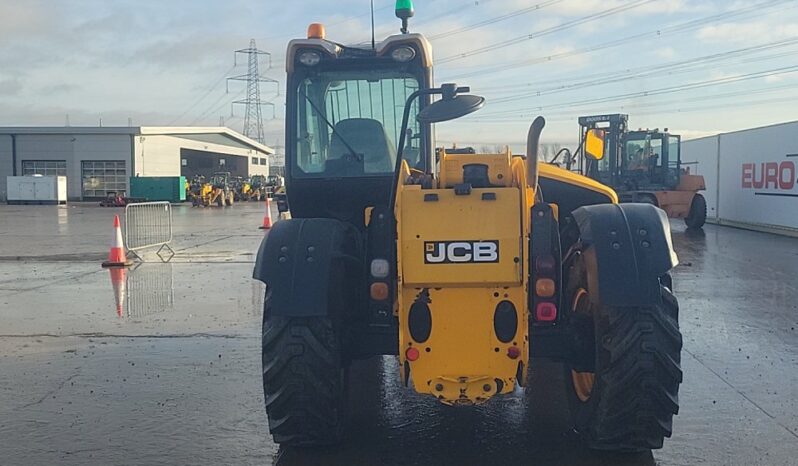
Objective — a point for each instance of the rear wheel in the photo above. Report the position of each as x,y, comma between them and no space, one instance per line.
698,212
648,199
304,379
623,386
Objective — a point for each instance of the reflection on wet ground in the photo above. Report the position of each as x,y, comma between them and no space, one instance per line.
161,365
392,426
143,289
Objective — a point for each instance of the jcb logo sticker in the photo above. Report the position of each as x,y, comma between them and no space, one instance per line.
459,252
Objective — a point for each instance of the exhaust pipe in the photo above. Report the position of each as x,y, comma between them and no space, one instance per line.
532,150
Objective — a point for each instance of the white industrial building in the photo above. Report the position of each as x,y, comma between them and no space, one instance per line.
99,160
751,176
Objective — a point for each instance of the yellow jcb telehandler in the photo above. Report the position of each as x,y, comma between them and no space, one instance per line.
468,271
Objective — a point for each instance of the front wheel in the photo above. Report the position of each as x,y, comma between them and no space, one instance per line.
304,379
623,386
698,212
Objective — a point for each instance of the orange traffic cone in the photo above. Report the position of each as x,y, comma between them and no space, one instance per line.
117,257
120,289
267,219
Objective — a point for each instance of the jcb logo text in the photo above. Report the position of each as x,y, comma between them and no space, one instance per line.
457,252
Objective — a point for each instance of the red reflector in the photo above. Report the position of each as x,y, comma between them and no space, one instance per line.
546,312
412,354
545,264
513,352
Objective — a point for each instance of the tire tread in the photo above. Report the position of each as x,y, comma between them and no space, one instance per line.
302,380
642,377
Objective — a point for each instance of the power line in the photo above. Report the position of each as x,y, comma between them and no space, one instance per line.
651,107
203,96
546,31
672,68
213,108
660,91
735,104
679,64
495,20
758,9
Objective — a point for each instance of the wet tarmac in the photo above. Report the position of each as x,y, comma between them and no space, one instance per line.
170,373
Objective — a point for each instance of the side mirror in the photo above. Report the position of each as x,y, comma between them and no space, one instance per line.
594,144
450,108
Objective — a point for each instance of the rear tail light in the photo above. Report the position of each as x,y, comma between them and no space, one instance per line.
379,291
546,312
544,287
379,268
412,354
513,352
545,265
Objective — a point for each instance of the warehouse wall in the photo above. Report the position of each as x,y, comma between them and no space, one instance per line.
151,155
159,155
756,176
260,168
6,167
73,148
759,176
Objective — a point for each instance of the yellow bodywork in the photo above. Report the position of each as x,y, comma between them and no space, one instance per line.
462,361
559,174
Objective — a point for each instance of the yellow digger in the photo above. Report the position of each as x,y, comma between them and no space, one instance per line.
217,191
468,270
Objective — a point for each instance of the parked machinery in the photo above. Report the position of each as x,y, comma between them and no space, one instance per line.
198,191
217,191
223,189
467,269
642,166
258,186
241,188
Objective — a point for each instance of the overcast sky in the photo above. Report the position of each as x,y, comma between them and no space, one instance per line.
694,66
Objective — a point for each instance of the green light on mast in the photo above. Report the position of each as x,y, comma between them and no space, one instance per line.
404,11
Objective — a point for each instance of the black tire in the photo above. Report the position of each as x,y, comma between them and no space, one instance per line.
648,199
634,354
698,212
304,379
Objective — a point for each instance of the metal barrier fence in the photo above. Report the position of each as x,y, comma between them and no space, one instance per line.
149,225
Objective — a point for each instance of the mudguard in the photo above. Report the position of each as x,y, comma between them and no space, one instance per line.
308,264
627,248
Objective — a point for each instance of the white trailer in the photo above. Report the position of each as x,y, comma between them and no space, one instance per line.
36,189
751,177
